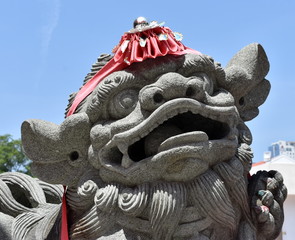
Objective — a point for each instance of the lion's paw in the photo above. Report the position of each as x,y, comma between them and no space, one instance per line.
267,193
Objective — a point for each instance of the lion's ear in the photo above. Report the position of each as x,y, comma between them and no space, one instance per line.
245,80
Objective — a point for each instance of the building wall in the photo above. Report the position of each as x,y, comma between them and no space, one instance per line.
288,230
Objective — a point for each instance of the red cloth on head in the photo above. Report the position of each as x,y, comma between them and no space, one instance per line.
134,53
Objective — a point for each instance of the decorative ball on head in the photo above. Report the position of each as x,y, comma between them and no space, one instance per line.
140,21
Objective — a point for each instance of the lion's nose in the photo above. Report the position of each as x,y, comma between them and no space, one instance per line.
171,86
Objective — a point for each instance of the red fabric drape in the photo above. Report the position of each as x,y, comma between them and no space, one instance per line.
134,53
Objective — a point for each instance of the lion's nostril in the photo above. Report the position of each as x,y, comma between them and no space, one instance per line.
190,91
242,101
158,98
74,156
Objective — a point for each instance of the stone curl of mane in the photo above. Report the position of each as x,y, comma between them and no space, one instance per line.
102,60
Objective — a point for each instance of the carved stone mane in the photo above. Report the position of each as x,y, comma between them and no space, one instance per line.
101,61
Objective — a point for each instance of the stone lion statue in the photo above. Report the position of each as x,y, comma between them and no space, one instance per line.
157,150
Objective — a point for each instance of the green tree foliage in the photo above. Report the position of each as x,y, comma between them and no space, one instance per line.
12,157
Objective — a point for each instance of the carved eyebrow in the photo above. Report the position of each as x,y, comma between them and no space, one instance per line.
196,63
202,63
109,84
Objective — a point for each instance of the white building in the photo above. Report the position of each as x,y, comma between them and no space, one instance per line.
286,166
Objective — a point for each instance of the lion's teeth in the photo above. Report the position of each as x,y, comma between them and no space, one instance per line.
126,161
142,134
171,114
182,110
123,147
151,129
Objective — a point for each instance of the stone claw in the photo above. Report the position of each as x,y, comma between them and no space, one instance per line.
266,197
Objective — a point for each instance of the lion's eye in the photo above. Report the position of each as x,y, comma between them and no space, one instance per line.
127,99
123,103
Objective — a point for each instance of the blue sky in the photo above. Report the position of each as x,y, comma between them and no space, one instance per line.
48,46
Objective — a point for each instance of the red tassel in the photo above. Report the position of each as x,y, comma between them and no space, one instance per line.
64,220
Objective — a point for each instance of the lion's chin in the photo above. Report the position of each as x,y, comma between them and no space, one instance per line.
182,163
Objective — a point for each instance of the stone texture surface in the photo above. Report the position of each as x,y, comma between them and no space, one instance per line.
29,208
157,151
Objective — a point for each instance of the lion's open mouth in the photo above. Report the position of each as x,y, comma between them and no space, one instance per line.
183,129
179,123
